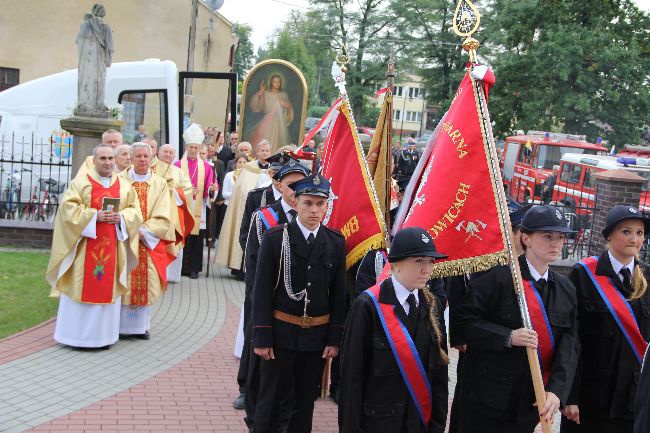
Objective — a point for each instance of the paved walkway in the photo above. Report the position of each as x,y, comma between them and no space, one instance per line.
181,380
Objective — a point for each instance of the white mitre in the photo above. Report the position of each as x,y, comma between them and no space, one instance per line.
193,134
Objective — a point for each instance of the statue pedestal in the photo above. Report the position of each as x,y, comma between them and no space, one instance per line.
87,132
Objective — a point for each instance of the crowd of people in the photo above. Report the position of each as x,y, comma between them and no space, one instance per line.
135,218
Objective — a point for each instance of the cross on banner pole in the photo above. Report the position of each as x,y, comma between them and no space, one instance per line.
465,23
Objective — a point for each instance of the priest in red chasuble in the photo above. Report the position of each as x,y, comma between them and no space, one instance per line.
180,186
94,246
149,278
201,176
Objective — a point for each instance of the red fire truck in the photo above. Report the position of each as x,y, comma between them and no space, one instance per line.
528,159
575,183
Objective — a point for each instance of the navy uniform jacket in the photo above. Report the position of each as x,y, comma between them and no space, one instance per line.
407,162
319,268
253,242
253,202
496,378
374,396
608,372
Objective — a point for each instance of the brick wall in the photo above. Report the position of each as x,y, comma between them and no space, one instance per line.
25,234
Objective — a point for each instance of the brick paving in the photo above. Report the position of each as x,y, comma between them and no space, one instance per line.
182,380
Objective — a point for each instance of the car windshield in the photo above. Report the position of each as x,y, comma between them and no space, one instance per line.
548,156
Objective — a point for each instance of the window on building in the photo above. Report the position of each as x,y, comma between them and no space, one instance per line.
413,116
9,77
415,92
399,91
397,114
148,108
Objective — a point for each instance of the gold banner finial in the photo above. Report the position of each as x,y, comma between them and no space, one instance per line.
342,58
466,21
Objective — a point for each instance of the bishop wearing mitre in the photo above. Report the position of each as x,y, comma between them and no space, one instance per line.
180,187
148,280
202,177
94,246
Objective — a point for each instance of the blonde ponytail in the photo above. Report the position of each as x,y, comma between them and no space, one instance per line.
639,283
432,303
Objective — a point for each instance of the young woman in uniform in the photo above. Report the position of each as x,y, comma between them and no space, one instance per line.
394,351
614,326
496,393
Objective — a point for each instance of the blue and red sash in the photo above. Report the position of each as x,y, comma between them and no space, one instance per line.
541,325
269,217
618,306
406,355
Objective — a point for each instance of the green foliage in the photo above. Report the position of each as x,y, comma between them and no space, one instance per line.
244,57
579,67
24,300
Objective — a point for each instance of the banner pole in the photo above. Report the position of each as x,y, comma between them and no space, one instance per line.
504,216
390,80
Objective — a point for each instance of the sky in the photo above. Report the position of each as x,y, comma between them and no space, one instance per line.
267,15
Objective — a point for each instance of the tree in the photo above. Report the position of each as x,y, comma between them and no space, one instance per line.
245,56
578,67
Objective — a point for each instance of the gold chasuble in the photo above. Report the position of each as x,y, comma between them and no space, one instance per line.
149,278
85,168
179,181
197,208
93,271
229,252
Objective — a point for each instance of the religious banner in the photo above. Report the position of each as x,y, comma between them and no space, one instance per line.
453,193
352,206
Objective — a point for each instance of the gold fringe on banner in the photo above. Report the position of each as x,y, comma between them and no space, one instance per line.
469,265
357,253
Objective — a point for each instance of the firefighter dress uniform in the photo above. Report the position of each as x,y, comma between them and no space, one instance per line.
377,395
298,309
496,391
613,332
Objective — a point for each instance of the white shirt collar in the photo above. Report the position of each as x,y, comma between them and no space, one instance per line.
105,181
402,293
618,265
277,194
533,272
286,207
305,231
139,177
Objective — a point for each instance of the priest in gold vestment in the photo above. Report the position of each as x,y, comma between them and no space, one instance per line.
254,174
148,281
181,187
94,246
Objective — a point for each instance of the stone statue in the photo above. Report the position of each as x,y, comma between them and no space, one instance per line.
95,46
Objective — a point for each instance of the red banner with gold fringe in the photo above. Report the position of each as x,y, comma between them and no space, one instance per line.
352,206
453,193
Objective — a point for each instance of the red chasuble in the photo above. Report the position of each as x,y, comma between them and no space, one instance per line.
159,256
100,260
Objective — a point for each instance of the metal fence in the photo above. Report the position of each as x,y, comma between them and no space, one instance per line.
33,175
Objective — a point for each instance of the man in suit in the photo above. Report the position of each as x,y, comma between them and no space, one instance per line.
225,152
298,307
279,212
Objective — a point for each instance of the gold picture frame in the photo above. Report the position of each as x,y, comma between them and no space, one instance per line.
272,113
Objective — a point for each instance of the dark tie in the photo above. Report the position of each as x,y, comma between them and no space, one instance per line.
627,278
310,239
413,313
541,284
293,214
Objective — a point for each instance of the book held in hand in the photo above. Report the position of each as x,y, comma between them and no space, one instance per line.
110,204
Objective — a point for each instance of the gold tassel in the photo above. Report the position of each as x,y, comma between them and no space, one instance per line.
469,265
373,242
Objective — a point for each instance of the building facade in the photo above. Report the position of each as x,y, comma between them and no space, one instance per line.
38,39
409,107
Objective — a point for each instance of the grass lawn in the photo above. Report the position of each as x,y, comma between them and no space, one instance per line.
24,300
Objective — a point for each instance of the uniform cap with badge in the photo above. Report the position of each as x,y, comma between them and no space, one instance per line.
620,213
292,165
545,219
314,184
413,242
278,160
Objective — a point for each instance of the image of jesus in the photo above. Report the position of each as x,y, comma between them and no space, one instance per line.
278,113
